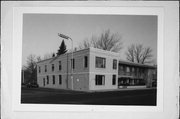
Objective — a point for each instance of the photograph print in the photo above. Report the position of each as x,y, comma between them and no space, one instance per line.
86,59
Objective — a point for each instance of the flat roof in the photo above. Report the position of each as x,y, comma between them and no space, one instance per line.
136,64
100,51
68,52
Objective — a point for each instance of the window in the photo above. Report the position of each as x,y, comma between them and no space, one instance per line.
127,69
39,69
60,79
44,82
133,69
100,62
114,80
121,68
72,64
45,68
47,79
85,61
52,67
114,64
100,79
59,65
53,79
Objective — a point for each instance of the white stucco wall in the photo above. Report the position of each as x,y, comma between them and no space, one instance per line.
108,71
80,72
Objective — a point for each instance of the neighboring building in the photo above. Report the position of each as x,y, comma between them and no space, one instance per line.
91,70
136,75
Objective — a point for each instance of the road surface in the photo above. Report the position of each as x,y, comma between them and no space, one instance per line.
120,97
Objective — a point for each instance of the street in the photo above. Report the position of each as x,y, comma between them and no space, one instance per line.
119,97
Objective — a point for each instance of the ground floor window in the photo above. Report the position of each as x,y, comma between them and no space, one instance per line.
44,81
60,79
47,79
53,79
114,80
130,82
100,80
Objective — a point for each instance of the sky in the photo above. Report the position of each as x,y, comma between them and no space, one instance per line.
40,31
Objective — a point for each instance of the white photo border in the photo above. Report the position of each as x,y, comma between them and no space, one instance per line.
110,10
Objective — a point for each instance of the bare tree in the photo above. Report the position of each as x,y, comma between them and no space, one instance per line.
85,44
30,69
139,54
106,41
147,55
39,58
47,56
130,53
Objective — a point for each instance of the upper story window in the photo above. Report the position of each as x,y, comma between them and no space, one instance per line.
137,70
59,65
52,67
72,63
39,69
85,61
124,68
114,64
127,69
100,80
132,69
120,67
45,68
100,62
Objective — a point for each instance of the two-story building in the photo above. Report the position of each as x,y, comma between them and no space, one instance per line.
132,75
91,69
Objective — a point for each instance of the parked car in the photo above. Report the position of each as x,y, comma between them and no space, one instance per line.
32,85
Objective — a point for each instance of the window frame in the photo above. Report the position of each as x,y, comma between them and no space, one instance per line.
44,82
60,79
52,67
45,68
113,79
73,63
85,61
103,63
114,64
60,66
54,79
102,83
47,77
127,69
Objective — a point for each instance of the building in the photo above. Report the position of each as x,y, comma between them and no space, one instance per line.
133,75
92,69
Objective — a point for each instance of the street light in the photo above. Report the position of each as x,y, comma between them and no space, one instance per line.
68,38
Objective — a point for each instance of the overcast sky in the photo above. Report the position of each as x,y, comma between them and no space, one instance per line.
40,31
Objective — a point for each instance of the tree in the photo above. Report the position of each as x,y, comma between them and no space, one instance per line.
31,69
47,56
53,55
106,41
62,48
139,54
39,58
